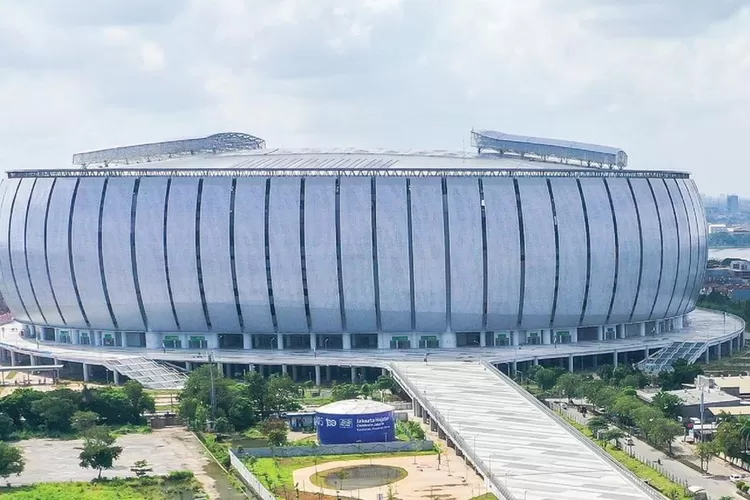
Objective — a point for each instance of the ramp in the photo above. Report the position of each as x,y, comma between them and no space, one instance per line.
149,373
523,449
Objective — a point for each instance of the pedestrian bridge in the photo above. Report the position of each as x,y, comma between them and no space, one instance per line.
524,450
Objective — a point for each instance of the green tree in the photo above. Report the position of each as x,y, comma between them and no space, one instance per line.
596,424
705,451
669,404
275,430
82,421
625,407
140,401
281,394
662,431
728,439
7,426
546,378
11,460
612,434
17,405
99,451
55,410
604,372
344,391
570,385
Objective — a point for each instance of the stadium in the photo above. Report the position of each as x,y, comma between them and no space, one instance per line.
223,243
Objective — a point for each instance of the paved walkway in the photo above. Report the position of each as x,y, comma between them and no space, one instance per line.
524,447
716,483
703,325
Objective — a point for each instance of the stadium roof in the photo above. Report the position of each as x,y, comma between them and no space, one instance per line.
345,163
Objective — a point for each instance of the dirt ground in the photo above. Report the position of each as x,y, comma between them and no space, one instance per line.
51,460
451,480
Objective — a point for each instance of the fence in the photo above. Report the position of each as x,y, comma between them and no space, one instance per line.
337,449
249,479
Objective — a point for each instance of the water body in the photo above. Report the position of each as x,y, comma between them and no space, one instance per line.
729,253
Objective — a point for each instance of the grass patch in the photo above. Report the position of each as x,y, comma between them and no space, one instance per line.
277,473
643,471
132,429
486,496
147,488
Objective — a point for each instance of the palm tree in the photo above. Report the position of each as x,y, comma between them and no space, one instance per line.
744,423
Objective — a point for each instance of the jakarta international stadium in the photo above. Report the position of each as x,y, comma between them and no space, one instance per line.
145,261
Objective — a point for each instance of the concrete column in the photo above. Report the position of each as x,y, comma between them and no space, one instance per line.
718,351
595,361
313,341
614,359
570,363
279,341
284,370
384,372
647,352
13,358
354,374
294,372
153,340
546,336
678,323
188,366
708,353
33,360
448,340
536,361
574,335
599,333
642,329
514,367
85,372
482,339
116,377
731,346
251,367
317,375
513,339
247,341
328,373
346,340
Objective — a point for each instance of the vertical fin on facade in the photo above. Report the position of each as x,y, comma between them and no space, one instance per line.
339,268
10,255
70,253
46,256
588,253
522,245
267,237
375,271
447,243
484,255
100,253
640,250
232,263
617,250
198,265
302,253
661,246
690,249
677,234
557,253
411,256
26,254
133,258
166,253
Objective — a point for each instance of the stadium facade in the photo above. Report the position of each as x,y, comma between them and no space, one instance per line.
222,243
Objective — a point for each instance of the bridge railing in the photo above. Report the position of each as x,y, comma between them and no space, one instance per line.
638,482
459,441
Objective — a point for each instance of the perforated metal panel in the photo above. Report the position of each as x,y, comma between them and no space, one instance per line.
651,267
669,235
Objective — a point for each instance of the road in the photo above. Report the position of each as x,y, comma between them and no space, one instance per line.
716,482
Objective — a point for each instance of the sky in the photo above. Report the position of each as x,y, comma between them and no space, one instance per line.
666,80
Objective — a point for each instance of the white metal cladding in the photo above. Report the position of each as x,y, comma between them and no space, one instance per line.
683,242
149,253
602,231
702,238
85,247
393,255
37,268
539,242
503,254
284,247
629,258
428,243
183,272
669,237
249,253
18,250
117,255
651,265
57,252
320,254
9,290
572,234
467,274
697,264
215,261
356,254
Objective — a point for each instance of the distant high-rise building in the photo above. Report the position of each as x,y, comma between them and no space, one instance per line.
733,203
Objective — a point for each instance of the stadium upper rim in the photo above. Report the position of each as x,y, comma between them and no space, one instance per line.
242,155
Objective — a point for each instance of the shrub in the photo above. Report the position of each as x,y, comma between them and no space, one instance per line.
180,475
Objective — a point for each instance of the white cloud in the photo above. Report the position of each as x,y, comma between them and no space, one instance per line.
665,80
